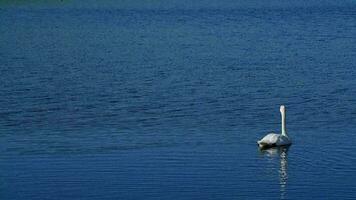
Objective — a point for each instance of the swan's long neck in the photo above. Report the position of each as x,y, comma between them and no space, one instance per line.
284,131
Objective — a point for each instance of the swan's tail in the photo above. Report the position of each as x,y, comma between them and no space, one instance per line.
261,144
264,145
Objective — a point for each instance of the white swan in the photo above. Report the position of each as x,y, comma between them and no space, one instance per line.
273,139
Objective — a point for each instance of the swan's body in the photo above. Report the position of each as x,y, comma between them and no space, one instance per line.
273,139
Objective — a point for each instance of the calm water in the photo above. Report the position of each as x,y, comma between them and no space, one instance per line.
114,103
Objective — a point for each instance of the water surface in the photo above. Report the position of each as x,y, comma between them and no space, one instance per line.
110,103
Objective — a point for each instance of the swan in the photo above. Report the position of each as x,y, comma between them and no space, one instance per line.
273,139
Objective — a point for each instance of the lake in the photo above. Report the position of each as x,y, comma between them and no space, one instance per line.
168,103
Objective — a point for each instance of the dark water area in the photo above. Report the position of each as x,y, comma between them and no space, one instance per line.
108,103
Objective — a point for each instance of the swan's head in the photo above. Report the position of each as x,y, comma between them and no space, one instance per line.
282,109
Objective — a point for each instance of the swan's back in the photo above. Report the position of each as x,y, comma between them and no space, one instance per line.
269,140
273,139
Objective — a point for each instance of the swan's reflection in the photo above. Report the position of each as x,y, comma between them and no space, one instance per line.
282,152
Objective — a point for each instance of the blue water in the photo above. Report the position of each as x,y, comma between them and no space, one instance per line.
110,103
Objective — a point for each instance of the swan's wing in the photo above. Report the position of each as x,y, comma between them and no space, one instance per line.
270,139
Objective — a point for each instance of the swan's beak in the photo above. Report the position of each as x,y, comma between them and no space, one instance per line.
282,109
